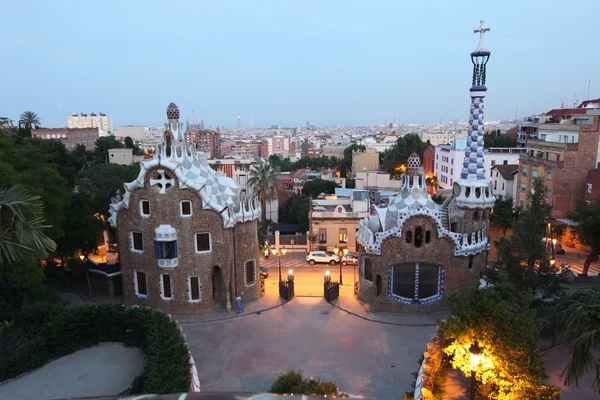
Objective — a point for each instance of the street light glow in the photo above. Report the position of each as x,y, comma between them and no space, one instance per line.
327,273
345,251
291,272
475,356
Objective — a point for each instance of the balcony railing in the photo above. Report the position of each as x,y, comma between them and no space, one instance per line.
524,159
331,214
168,263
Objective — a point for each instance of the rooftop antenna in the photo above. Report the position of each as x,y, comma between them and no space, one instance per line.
589,82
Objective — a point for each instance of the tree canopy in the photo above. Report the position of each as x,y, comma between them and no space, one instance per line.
312,163
314,187
504,215
404,147
587,230
497,139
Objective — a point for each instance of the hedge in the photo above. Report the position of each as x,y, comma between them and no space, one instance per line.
43,332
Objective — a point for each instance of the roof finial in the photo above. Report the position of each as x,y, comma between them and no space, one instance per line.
481,30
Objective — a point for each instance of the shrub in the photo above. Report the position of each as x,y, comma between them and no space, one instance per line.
286,382
294,382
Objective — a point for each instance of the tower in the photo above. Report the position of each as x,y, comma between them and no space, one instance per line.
251,123
472,189
239,122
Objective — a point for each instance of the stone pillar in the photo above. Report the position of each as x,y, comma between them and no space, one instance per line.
308,243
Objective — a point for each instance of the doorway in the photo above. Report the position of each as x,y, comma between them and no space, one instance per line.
218,286
379,284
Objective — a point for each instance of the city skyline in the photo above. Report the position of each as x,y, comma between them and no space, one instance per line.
340,64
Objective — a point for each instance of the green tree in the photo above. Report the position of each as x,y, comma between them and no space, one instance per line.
504,214
102,181
314,187
581,317
587,230
523,256
104,144
497,139
506,328
297,212
128,142
263,183
28,120
404,147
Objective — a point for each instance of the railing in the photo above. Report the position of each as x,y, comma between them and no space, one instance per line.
506,150
331,214
553,333
540,161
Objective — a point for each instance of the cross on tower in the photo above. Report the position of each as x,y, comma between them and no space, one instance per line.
163,183
481,30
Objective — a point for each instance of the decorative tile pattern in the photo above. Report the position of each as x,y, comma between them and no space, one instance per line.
254,269
473,168
416,300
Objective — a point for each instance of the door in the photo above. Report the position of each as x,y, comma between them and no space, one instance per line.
379,284
218,286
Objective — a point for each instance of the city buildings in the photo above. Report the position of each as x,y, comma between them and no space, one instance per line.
205,141
137,133
187,236
414,251
365,161
241,148
251,123
440,138
429,161
101,121
282,146
239,122
69,137
124,157
564,150
502,177
592,184
5,123
335,219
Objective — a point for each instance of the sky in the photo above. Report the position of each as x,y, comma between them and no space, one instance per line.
328,62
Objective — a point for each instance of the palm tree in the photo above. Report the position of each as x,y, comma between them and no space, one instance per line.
263,183
29,119
21,225
581,317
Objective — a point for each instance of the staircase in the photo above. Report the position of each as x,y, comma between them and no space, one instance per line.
445,218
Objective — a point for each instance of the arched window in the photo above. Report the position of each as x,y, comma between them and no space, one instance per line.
408,236
418,236
427,236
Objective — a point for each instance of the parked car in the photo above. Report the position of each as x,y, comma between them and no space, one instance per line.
350,258
264,273
322,257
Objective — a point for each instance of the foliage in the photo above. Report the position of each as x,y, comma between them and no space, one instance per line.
314,187
404,147
501,320
294,382
102,181
346,163
297,212
263,183
522,256
432,181
497,139
128,142
504,215
28,120
312,163
438,198
43,332
581,317
587,216
21,228
103,144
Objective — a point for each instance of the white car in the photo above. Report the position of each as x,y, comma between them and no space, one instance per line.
350,258
322,257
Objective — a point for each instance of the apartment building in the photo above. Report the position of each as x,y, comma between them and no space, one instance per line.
69,137
101,121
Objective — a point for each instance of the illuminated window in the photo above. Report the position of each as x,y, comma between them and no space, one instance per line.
343,235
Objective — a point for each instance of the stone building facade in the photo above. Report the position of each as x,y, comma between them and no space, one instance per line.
414,251
187,236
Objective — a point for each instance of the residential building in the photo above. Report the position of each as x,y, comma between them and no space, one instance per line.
503,179
282,146
187,236
205,141
365,161
333,151
101,121
376,180
69,137
592,184
440,138
124,157
241,148
239,122
137,133
5,123
335,219
429,161
448,164
560,155
414,251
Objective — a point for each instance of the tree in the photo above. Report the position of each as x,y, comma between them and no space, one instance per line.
297,212
587,217
523,255
104,144
21,229
314,187
581,317
29,119
506,328
128,142
497,139
504,215
432,181
263,183
404,147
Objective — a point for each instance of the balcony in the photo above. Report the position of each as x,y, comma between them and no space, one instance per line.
168,263
531,160
338,215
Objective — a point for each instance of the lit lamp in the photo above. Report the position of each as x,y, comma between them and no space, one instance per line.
279,253
475,357
552,262
82,257
327,276
290,275
553,247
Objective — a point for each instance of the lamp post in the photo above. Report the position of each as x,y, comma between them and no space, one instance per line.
336,251
279,253
474,359
290,275
553,248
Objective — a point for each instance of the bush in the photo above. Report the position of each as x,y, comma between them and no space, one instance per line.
294,382
44,331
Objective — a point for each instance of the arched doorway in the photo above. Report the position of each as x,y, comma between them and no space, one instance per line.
219,292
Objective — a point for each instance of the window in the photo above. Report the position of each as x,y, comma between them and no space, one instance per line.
185,208
521,203
195,289
203,242
502,186
166,250
589,188
523,187
413,282
470,262
145,208
505,162
250,272
167,290
493,162
534,173
141,288
549,176
418,236
343,235
137,244
368,269
547,194
322,235
524,171
427,236
408,236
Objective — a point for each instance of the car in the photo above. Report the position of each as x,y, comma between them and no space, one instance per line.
322,257
350,258
264,273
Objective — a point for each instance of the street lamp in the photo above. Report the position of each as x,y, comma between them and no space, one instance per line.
553,247
336,251
82,257
279,253
475,357
290,274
